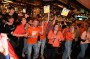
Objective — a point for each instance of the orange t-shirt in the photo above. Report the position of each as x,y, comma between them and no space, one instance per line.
20,29
55,42
64,31
33,31
69,36
60,29
42,37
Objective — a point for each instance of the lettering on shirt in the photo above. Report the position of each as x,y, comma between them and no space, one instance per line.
34,33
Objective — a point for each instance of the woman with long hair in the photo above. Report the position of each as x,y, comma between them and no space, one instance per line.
20,33
54,38
85,39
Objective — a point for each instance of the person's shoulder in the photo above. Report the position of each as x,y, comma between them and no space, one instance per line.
39,27
30,27
84,32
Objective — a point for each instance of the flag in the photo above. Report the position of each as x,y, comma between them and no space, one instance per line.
11,51
6,48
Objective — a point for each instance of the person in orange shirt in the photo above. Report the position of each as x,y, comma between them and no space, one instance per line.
42,39
20,33
68,38
28,24
64,31
32,38
54,38
20,29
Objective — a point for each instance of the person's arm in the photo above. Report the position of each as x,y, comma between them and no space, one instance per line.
83,36
19,35
54,20
27,26
50,35
46,22
48,17
41,29
16,32
30,36
61,38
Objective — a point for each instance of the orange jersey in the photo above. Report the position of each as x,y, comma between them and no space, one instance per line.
55,42
69,36
33,31
20,29
64,31
60,29
44,34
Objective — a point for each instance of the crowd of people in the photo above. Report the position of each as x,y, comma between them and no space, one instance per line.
25,33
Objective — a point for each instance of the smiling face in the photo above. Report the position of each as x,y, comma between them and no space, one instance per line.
11,20
23,21
35,23
12,11
56,27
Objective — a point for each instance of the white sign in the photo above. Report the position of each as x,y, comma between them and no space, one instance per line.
47,9
65,12
24,10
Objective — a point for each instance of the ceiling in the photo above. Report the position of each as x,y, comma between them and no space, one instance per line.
66,3
85,3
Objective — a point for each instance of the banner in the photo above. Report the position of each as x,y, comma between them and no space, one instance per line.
6,48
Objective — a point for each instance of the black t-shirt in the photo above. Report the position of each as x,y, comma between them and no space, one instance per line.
15,16
5,28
